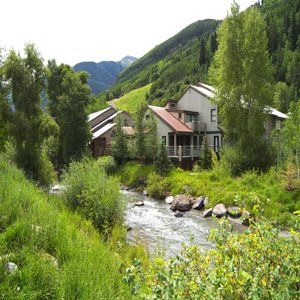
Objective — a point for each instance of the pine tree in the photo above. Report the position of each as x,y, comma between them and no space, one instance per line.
119,142
162,162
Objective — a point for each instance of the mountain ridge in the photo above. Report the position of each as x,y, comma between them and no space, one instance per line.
103,74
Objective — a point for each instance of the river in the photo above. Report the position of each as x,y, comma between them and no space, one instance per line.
155,226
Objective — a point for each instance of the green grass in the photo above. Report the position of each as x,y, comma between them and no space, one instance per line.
130,172
36,228
130,101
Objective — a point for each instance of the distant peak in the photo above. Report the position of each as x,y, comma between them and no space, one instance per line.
127,60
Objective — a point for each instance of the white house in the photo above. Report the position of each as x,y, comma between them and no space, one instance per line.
183,124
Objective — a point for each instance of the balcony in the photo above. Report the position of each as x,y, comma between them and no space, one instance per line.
184,152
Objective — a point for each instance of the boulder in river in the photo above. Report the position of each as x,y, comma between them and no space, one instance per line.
220,210
181,203
199,203
169,199
207,213
178,214
139,203
234,212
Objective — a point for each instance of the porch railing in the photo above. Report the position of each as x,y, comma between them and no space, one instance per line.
187,151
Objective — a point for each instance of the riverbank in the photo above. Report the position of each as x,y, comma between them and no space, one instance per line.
48,251
260,194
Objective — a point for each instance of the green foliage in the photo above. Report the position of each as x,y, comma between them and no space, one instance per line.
170,66
88,188
108,164
28,127
69,96
241,73
162,162
139,129
206,159
256,264
289,137
59,253
158,186
119,142
130,101
130,172
151,139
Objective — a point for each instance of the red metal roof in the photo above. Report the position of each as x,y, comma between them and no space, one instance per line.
170,120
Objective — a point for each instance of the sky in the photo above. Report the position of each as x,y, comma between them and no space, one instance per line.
71,31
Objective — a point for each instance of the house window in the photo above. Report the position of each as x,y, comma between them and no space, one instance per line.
179,115
173,105
213,115
189,118
164,139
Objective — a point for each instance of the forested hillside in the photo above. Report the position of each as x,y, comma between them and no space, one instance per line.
185,58
172,64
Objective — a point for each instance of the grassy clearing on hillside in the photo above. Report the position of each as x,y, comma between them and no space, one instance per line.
58,252
130,101
261,194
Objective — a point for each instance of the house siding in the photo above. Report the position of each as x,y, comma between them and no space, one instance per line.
195,101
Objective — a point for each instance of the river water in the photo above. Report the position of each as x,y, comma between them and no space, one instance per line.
155,226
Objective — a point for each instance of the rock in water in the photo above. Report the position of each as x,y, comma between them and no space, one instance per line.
207,213
178,214
220,210
181,203
234,212
169,199
199,203
139,203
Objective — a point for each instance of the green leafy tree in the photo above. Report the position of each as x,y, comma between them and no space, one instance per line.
162,162
29,127
281,96
151,141
69,96
140,131
291,135
241,73
119,142
5,111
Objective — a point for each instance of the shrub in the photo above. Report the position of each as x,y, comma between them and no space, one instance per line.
96,194
109,164
257,264
157,186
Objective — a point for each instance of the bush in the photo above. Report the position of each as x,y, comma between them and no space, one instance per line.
157,186
96,194
257,264
109,164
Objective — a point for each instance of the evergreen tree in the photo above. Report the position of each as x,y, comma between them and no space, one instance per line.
140,131
241,74
162,162
119,142
29,127
151,141
69,96
206,157
202,53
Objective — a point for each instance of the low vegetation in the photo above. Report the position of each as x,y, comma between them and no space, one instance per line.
58,252
257,264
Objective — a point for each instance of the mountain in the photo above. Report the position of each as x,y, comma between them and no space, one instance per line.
170,65
103,74
185,58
